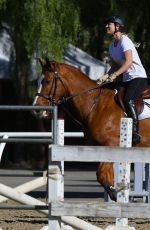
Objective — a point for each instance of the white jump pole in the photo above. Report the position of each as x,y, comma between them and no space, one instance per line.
55,172
19,197
27,187
79,224
25,199
124,169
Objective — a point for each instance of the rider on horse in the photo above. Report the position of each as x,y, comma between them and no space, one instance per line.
126,65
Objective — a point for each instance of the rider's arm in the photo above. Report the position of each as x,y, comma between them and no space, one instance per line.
127,63
114,67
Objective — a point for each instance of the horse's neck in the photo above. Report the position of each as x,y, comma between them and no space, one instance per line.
82,101
77,85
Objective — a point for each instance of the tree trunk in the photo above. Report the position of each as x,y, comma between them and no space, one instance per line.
22,66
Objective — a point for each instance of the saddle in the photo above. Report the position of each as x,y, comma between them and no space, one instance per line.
139,103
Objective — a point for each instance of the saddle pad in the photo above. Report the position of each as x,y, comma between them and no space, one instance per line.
146,111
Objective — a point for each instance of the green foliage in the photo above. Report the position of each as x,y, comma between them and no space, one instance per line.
42,26
49,26
2,4
45,27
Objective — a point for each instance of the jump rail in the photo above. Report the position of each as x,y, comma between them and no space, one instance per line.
124,155
97,154
100,153
53,109
39,134
25,107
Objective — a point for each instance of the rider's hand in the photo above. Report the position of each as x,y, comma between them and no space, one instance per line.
112,77
102,79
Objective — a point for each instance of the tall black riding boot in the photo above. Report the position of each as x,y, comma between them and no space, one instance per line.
132,113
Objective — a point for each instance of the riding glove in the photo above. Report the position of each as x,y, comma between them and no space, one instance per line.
112,77
107,78
102,79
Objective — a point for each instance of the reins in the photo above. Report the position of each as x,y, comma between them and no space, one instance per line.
65,99
75,95
50,97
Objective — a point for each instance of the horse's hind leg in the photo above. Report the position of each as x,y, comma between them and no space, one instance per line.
105,176
105,172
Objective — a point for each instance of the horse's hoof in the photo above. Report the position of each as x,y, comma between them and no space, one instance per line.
111,192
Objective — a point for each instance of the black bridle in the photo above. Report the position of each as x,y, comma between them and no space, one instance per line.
66,98
53,82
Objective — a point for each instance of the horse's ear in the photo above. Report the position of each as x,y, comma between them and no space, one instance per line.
50,64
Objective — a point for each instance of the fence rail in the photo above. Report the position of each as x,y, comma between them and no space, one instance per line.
27,140
39,134
25,107
5,138
97,154
100,153
97,209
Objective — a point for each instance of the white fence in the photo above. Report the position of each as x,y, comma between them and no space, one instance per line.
94,154
57,156
18,193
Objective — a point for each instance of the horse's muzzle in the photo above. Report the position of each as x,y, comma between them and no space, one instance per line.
41,114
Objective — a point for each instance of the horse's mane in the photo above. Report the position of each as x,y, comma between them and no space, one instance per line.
51,65
77,70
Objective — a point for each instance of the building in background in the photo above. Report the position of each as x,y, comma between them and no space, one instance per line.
89,65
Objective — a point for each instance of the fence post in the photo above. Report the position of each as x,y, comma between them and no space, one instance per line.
55,173
2,146
123,179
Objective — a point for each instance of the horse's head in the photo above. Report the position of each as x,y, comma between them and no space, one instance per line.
51,87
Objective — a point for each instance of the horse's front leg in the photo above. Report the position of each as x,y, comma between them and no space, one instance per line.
105,176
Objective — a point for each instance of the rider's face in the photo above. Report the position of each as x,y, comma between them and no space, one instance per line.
110,28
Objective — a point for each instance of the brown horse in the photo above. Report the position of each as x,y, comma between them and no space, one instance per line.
94,105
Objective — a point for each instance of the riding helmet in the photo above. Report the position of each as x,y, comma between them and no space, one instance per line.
115,19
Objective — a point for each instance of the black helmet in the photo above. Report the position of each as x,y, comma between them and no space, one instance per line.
115,19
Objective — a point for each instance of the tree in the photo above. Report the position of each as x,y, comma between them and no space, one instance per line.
42,28
39,27
139,26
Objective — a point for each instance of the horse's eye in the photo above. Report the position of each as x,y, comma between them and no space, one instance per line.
42,82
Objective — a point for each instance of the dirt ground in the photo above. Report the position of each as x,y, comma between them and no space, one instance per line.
33,220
